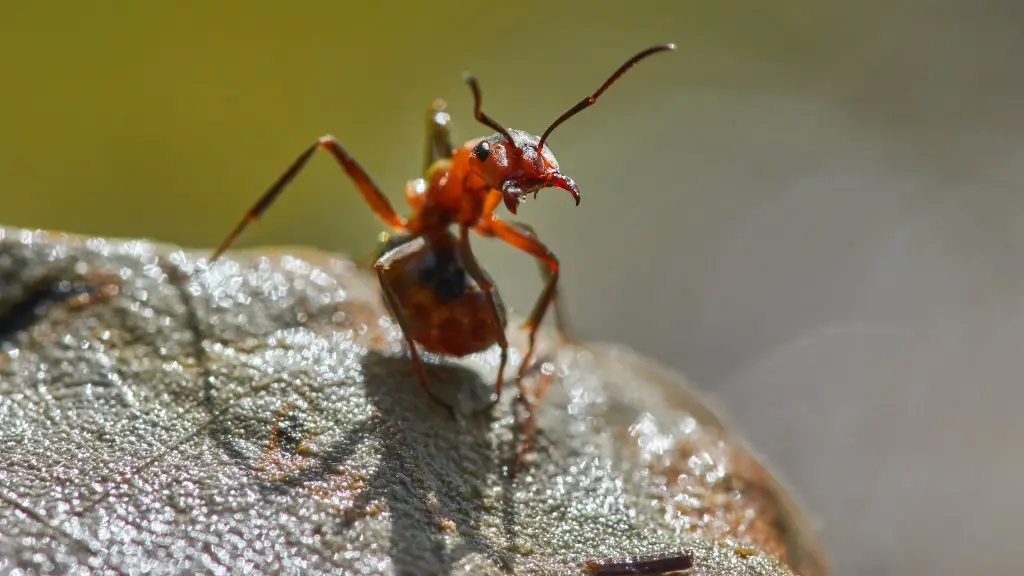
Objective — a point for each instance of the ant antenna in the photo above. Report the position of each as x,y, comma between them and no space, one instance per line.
590,100
478,114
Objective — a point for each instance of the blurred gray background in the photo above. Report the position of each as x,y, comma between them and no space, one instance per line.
812,210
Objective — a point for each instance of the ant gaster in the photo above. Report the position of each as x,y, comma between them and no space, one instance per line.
429,278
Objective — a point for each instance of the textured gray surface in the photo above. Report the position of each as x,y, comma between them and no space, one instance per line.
262,417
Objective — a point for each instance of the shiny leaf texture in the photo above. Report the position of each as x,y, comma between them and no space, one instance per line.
260,416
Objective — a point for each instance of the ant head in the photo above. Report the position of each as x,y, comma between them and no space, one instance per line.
512,161
518,163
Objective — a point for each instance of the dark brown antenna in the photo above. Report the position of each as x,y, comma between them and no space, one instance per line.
590,100
478,113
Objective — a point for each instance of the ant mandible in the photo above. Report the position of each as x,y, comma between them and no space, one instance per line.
429,278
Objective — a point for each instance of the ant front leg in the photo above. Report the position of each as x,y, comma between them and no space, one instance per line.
439,139
529,243
561,317
485,284
526,240
382,266
371,193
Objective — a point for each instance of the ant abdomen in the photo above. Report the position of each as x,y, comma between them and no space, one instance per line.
425,282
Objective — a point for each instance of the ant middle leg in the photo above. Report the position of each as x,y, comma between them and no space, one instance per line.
371,193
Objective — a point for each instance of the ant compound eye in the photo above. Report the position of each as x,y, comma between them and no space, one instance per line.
482,150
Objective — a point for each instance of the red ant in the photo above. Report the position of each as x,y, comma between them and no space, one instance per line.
429,278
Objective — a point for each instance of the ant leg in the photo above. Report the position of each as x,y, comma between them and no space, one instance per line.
561,317
439,140
378,203
382,266
526,239
485,284
515,236
511,234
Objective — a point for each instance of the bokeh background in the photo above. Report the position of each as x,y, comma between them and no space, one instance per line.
812,209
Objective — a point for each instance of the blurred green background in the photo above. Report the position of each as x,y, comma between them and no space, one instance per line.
167,120
812,209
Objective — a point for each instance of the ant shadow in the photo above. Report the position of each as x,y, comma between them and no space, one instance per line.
431,473
428,456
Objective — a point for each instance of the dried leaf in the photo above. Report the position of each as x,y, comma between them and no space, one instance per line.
261,416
